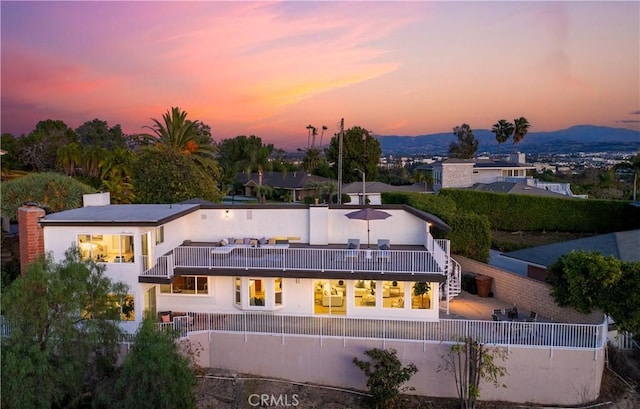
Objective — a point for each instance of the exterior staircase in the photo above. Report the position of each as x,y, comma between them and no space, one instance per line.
452,286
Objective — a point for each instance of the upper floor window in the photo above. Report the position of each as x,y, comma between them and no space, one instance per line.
160,235
125,305
106,248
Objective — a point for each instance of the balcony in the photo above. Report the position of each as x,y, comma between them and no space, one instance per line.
301,261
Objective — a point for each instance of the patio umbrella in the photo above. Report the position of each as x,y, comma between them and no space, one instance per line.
368,214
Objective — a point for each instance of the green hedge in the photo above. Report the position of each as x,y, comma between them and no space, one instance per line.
538,213
440,206
470,233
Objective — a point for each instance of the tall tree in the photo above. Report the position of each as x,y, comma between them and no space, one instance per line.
178,134
38,150
165,176
116,175
311,160
467,144
10,159
69,157
324,128
521,128
309,128
243,154
175,132
591,281
64,332
360,151
154,374
98,133
503,130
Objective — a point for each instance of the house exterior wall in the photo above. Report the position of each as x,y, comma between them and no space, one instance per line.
298,299
318,224
530,294
486,175
536,375
452,175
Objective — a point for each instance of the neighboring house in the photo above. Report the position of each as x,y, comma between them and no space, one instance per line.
277,291
624,245
374,190
466,173
296,184
515,188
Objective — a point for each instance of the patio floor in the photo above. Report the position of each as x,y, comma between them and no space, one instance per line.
472,307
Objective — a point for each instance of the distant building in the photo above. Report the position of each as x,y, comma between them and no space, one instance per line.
483,172
297,184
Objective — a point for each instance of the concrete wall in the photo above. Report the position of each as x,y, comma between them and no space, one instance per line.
528,293
536,375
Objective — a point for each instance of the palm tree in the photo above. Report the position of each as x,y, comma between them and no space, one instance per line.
324,128
503,130
309,128
116,175
521,127
177,133
91,158
68,157
311,160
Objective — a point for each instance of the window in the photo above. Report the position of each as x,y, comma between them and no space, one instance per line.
420,295
186,285
330,297
106,248
393,294
256,292
238,290
160,235
277,291
365,293
125,305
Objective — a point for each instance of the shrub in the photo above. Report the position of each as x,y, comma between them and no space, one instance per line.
385,376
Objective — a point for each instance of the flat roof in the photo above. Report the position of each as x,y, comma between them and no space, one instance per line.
121,214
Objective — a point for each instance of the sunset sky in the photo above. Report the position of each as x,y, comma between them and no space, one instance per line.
271,68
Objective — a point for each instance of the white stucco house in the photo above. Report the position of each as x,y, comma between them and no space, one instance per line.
296,291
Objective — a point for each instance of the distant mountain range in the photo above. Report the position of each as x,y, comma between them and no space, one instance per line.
580,138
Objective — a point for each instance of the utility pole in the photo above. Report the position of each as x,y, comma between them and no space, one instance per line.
340,137
364,167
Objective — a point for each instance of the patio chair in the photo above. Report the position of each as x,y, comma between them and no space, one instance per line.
533,317
383,249
513,312
353,245
498,311
495,317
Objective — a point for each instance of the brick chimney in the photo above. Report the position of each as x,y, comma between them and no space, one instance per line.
30,234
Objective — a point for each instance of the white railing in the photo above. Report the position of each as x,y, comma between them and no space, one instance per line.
625,340
162,269
530,334
304,259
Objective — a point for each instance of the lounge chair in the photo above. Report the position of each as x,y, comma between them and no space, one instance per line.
353,245
383,249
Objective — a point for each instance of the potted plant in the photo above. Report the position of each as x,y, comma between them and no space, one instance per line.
420,289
